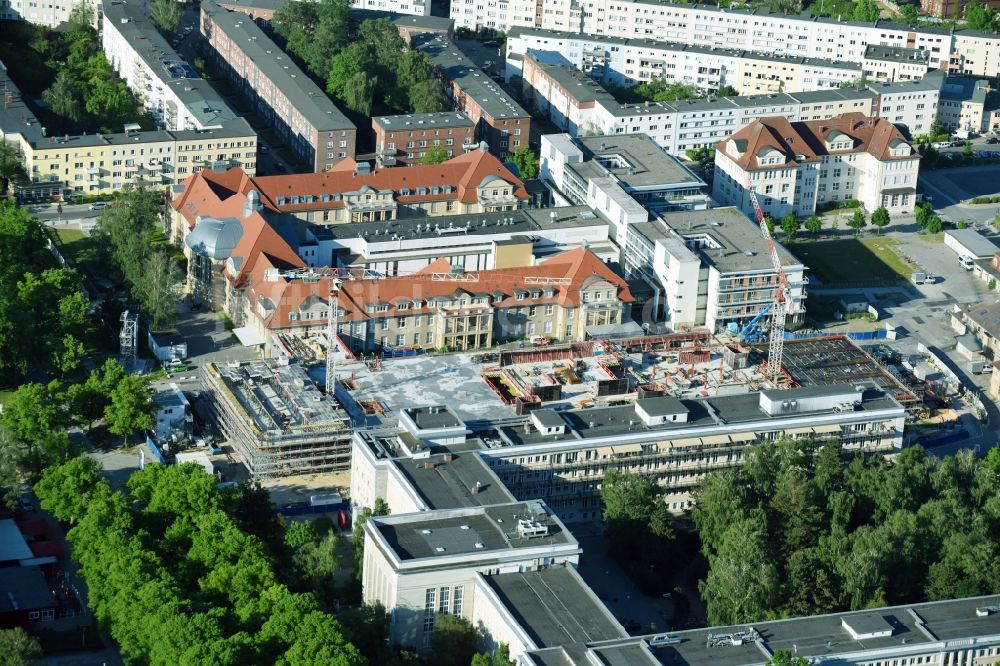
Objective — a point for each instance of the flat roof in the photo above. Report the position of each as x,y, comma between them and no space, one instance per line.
24,588
965,89
504,223
433,417
739,245
13,547
548,417
474,83
979,245
663,405
462,481
468,531
555,607
438,23
648,164
131,21
897,54
823,636
932,80
419,121
307,97
724,412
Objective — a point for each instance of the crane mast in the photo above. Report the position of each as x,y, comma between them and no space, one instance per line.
782,297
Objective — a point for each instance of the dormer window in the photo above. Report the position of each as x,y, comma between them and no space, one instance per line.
403,306
519,294
293,316
535,293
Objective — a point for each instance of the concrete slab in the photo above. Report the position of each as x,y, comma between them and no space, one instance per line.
451,380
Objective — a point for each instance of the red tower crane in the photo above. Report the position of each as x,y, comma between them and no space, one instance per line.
782,297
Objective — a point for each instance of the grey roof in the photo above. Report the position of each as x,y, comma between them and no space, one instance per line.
131,20
481,530
449,484
649,164
664,405
897,54
576,84
214,237
833,95
278,67
12,544
725,412
555,607
474,83
980,246
962,89
735,234
800,392
932,80
823,636
434,417
418,121
24,588
549,418
16,117
521,221
987,315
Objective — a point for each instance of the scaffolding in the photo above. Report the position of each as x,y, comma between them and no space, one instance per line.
277,420
129,341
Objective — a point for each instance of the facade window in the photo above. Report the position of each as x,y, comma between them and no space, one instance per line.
458,593
444,599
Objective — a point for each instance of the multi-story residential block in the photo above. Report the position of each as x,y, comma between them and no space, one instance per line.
621,177
407,138
709,268
580,106
87,164
894,63
263,10
910,104
301,114
975,53
629,61
952,9
795,167
969,104
499,120
168,87
757,30
53,14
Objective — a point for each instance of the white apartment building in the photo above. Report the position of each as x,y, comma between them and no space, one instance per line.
621,177
796,167
913,104
710,268
581,107
168,87
699,25
630,61
975,53
889,63
50,13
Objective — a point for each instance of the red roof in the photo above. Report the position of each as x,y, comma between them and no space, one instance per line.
463,174
578,268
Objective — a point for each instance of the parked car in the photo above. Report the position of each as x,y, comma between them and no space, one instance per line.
491,43
992,140
966,262
99,205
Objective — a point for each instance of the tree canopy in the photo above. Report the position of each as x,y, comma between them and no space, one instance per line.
801,529
176,578
367,66
526,161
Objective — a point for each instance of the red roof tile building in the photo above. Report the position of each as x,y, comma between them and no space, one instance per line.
795,167
472,183
559,298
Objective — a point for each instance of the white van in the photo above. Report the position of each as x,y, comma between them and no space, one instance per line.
966,262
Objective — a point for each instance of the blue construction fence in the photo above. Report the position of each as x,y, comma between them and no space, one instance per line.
401,352
155,449
853,335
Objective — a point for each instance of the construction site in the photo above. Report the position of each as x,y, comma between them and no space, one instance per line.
277,421
600,373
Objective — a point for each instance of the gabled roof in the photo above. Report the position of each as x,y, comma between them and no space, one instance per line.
579,266
807,141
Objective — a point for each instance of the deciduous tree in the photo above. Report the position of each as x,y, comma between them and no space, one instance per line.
880,218
166,14
435,155
18,648
131,407
526,161
814,224
454,640
790,225
857,221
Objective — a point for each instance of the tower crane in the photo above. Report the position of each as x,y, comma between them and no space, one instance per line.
337,277
782,297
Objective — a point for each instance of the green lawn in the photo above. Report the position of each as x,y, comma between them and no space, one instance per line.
853,262
76,246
